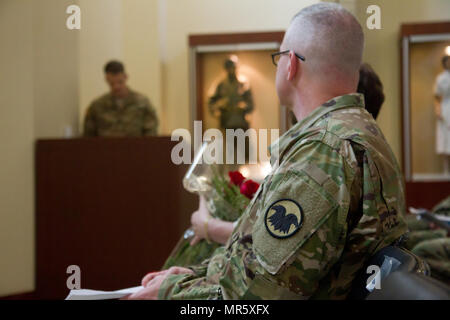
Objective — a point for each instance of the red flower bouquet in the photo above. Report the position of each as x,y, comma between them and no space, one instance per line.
230,198
227,199
248,188
236,177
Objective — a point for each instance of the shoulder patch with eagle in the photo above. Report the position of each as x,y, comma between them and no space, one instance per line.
283,218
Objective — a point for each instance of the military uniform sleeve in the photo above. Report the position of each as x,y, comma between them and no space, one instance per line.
379,222
150,120
200,269
90,123
190,286
300,229
298,234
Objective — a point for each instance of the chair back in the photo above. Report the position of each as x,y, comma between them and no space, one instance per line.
409,263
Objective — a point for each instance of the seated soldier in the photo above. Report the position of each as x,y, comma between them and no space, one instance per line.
370,86
207,227
121,112
430,242
335,195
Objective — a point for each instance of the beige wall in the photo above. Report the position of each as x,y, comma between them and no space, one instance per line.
100,41
38,98
382,52
16,141
55,66
141,48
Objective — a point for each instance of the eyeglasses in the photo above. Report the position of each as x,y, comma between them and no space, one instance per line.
277,55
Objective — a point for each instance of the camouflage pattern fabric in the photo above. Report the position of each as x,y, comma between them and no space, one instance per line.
334,197
415,237
431,244
185,255
136,117
415,224
443,207
436,253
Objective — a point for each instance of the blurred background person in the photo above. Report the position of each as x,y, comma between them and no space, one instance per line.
371,87
442,110
121,112
430,241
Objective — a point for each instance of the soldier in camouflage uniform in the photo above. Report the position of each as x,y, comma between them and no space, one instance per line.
334,196
122,112
328,162
436,253
443,207
431,243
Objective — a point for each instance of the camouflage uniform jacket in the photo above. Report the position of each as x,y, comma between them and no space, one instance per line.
443,207
334,197
136,117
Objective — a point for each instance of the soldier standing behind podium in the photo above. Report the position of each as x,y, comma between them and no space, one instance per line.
122,112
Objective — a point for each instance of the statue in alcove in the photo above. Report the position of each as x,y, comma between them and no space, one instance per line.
232,101
442,110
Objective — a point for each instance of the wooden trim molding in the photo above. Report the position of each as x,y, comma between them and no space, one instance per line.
199,87
409,29
233,38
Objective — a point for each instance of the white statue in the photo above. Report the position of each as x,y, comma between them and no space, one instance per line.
442,110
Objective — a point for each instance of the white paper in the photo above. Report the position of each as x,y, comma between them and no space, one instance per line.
86,294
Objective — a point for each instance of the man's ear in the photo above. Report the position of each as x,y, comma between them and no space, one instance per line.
292,66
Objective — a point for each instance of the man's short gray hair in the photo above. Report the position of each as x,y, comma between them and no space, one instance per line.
329,37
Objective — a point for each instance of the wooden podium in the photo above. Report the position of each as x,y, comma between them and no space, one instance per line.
114,207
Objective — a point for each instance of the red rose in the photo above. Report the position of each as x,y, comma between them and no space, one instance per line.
236,177
248,188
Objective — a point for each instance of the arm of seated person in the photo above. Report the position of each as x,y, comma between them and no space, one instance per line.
219,231
172,270
152,281
206,227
